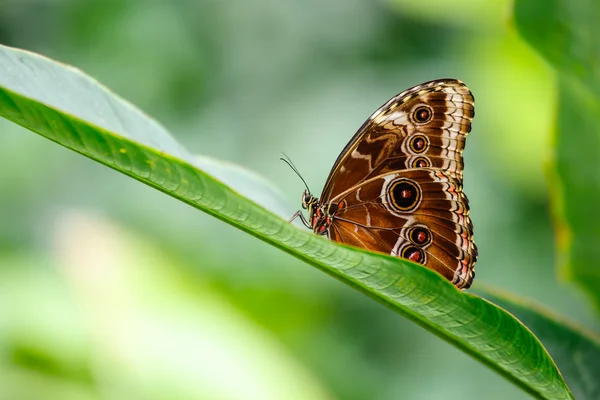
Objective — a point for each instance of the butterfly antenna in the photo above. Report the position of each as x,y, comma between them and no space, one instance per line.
289,162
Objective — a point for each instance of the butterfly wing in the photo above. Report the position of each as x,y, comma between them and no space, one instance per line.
395,137
418,214
411,146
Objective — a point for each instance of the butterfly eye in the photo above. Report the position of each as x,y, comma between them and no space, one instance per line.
305,199
422,114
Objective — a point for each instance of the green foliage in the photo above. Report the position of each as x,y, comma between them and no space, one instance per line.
567,34
71,109
164,308
576,352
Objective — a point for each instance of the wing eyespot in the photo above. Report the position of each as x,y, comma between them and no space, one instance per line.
418,144
405,195
413,253
422,114
420,162
420,236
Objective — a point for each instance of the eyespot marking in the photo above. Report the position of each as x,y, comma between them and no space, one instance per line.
421,162
422,114
418,144
405,195
420,236
413,253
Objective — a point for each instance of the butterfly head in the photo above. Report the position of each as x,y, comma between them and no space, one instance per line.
319,219
308,200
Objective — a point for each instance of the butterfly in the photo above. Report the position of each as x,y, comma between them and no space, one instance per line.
396,187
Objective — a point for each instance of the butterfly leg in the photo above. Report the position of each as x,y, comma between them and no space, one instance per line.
299,214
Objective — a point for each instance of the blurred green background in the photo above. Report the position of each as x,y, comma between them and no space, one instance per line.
113,290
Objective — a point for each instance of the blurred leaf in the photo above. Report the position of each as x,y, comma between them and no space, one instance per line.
25,384
567,34
154,333
575,351
66,106
472,13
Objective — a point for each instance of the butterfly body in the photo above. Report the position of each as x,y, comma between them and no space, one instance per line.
396,187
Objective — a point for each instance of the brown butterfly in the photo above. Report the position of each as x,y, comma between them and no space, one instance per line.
396,188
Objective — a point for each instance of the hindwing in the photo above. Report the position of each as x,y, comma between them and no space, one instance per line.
419,214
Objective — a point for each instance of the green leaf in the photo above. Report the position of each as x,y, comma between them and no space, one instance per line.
567,34
64,105
246,183
575,351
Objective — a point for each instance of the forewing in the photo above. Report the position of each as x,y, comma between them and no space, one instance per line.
395,138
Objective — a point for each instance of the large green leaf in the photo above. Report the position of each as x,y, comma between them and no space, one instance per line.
567,34
64,105
575,351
